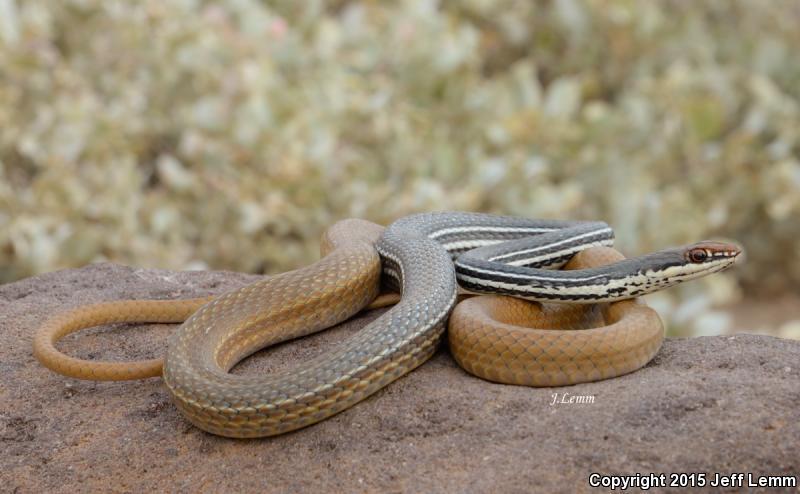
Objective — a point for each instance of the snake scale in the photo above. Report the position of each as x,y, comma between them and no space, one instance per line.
490,336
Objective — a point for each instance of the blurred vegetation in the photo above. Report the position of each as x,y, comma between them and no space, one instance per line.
190,134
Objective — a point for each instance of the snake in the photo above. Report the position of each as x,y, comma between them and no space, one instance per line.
424,257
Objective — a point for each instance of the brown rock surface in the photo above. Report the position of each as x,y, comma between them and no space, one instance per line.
713,405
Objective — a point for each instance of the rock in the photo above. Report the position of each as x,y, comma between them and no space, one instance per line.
707,405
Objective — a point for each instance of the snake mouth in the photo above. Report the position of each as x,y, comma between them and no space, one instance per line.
719,264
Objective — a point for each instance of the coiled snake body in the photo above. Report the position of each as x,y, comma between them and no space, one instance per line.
417,255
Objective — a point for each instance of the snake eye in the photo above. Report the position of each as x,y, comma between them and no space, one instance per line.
698,255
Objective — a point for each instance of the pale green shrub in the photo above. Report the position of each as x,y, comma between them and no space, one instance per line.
188,134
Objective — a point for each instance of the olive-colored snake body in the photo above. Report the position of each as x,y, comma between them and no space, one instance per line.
417,254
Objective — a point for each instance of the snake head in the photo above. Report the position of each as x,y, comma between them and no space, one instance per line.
670,266
712,254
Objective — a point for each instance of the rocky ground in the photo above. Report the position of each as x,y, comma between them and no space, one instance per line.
723,404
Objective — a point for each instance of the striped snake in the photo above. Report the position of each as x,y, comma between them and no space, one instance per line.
488,335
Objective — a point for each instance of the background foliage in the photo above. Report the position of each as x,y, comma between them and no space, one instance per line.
190,134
